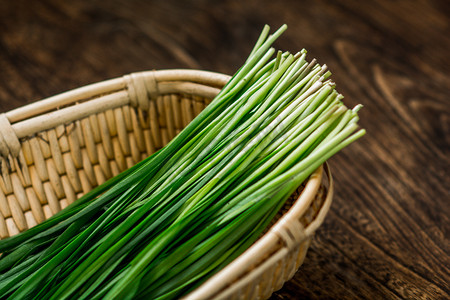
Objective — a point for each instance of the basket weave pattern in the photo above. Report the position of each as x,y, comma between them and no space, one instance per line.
57,149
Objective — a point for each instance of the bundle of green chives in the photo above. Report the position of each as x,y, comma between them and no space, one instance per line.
163,227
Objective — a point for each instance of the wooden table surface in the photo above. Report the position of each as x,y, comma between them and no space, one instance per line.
387,234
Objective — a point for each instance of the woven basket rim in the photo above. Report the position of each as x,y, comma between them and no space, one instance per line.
38,107
34,117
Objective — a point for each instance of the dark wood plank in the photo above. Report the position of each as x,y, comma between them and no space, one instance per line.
387,235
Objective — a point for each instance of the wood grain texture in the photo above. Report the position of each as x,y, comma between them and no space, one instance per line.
387,235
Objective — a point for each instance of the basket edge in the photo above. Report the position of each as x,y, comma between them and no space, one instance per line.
216,286
111,85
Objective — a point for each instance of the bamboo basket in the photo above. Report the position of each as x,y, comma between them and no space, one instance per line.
55,150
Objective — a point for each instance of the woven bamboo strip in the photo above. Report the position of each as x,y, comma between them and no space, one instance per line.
68,190
4,207
56,151
122,131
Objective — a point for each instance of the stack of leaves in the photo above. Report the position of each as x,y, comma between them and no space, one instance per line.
164,226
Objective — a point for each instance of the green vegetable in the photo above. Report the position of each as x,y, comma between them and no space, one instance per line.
163,227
